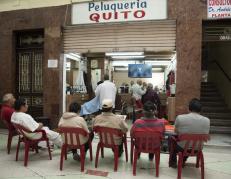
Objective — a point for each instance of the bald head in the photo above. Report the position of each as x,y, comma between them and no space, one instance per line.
8,99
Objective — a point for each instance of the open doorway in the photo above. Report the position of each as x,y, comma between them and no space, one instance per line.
82,72
216,74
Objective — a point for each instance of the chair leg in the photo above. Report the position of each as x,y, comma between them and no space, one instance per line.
157,161
198,160
116,158
65,152
126,149
26,155
17,150
134,162
180,161
61,157
82,157
202,166
131,154
10,136
90,151
102,152
97,155
49,149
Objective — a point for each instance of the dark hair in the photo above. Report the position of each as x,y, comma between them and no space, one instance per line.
19,103
149,106
106,77
149,109
99,82
74,107
106,109
195,105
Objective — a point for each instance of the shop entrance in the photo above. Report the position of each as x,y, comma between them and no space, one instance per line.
216,74
110,48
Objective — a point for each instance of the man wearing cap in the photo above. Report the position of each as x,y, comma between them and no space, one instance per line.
106,90
108,119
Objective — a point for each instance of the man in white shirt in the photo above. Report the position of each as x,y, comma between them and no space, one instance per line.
26,120
137,93
106,90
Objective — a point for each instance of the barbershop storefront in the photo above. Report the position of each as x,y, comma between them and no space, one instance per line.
89,30
116,27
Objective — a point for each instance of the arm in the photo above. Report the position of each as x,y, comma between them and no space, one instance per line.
39,127
123,126
176,125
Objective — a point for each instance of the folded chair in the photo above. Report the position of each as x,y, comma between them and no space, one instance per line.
106,139
30,143
71,136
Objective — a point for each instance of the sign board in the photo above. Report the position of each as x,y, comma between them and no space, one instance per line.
219,9
52,63
118,11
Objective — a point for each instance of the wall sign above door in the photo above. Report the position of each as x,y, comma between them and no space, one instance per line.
219,9
118,11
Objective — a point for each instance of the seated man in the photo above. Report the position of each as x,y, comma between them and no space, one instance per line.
26,120
192,123
7,109
108,119
72,119
149,122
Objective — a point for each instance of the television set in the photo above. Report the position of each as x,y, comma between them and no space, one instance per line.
140,70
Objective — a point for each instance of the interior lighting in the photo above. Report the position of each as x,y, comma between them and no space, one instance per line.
124,53
128,57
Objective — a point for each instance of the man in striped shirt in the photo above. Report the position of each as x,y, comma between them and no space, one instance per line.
149,122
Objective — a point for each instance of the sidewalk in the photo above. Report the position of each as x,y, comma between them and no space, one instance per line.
217,164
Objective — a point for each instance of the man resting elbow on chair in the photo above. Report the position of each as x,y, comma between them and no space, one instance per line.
20,117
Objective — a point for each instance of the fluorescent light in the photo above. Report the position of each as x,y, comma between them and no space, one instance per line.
77,55
128,57
124,53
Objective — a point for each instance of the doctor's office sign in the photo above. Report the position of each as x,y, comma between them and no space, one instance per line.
118,11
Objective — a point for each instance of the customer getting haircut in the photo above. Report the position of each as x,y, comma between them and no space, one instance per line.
74,107
19,103
106,77
195,105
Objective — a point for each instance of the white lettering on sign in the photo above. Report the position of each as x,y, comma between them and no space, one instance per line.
219,8
118,11
225,37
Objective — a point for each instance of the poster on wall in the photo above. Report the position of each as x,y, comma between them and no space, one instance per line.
218,9
118,11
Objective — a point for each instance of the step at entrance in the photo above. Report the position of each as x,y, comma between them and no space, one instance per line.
215,109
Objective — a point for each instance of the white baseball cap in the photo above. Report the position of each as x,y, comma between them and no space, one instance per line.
107,103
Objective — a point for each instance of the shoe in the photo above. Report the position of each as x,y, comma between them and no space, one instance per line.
173,165
76,157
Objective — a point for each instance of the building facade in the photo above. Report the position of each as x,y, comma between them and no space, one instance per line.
188,14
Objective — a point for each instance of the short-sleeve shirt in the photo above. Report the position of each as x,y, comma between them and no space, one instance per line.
153,125
25,120
192,123
28,122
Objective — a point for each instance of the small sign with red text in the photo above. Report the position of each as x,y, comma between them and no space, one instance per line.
219,9
118,11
